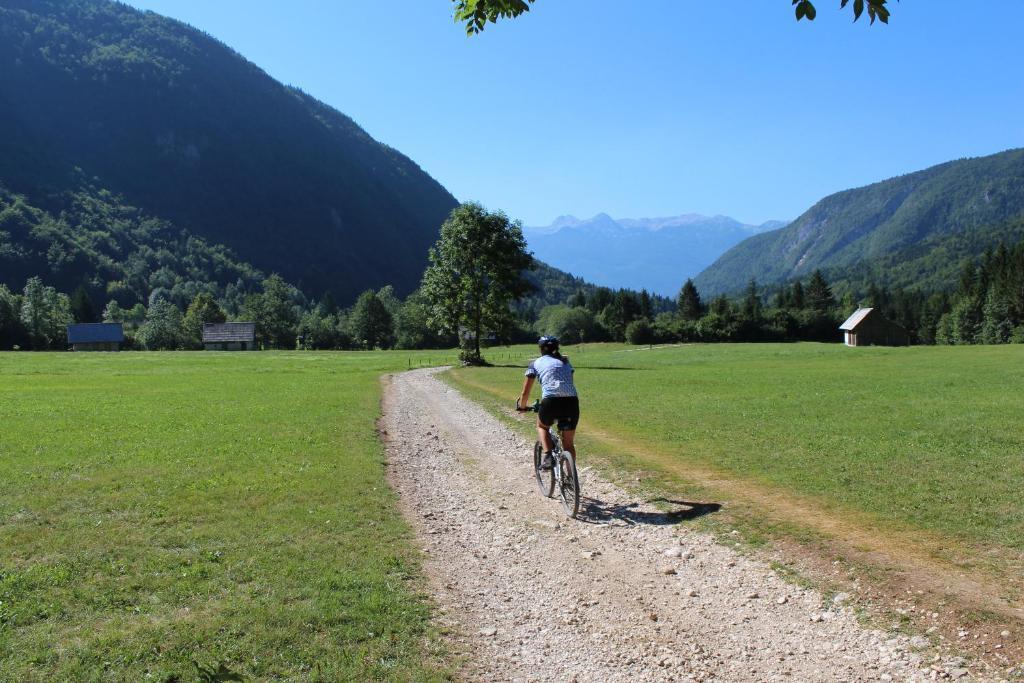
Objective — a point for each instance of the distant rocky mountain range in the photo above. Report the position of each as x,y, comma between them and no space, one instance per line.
657,254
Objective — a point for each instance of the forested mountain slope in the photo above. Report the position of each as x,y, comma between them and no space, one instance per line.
933,217
103,103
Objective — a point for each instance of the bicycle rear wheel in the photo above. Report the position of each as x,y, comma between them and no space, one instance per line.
545,478
570,485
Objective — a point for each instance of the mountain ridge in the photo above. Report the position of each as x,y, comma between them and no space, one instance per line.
98,94
849,230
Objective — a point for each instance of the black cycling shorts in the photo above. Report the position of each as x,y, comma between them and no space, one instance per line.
565,409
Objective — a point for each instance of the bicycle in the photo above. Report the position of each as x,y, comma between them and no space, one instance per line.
562,474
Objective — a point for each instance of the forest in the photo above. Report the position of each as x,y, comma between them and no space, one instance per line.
985,307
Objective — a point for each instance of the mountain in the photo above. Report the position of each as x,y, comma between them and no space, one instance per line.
905,231
117,125
657,254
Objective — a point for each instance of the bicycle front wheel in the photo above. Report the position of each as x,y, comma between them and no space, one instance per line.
545,478
570,485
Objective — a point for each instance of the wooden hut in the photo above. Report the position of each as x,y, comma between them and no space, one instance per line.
868,327
229,336
96,336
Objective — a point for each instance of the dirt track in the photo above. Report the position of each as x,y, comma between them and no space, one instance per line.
628,593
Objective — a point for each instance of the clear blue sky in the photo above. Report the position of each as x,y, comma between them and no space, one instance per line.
585,106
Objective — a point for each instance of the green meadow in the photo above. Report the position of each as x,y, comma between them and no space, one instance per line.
203,516
926,438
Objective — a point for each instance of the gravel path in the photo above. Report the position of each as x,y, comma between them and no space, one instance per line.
628,593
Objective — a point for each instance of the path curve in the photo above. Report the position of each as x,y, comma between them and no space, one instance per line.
630,593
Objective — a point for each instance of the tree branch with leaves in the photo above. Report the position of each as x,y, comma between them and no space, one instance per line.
476,14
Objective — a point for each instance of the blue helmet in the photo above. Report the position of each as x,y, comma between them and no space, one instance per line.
547,343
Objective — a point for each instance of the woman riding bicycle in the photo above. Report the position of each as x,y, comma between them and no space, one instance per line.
559,400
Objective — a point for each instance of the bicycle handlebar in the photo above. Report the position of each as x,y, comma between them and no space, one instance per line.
528,409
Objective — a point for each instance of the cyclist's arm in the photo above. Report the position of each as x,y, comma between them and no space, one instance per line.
524,398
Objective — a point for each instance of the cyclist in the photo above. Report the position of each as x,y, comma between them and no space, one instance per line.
559,400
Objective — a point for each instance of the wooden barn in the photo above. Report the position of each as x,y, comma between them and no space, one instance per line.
229,336
96,336
868,327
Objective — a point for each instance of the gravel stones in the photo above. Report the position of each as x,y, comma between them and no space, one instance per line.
519,598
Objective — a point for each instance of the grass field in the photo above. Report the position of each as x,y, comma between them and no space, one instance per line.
201,517
928,438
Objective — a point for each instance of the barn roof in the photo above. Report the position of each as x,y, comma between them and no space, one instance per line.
229,332
856,319
93,333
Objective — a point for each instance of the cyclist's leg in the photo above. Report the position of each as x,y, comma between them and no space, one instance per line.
567,425
544,436
568,441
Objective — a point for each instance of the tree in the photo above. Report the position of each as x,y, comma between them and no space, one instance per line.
617,315
370,323
819,294
797,300
646,308
391,302
163,329
996,325
721,306
82,309
476,271
273,311
203,309
319,331
600,299
640,332
12,332
412,329
476,13
752,302
572,325
689,304
578,300
45,313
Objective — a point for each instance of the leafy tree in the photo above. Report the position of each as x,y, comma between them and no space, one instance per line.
391,302
475,273
203,309
370,322
640,332
689,304
273,311
412,329
319,331
571,324
45,314
965,319
12,332
328,306
82,308
996,325
476,13
164,329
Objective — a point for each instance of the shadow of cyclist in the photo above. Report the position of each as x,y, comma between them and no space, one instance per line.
596,511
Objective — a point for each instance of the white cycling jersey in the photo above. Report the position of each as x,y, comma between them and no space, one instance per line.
555,376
